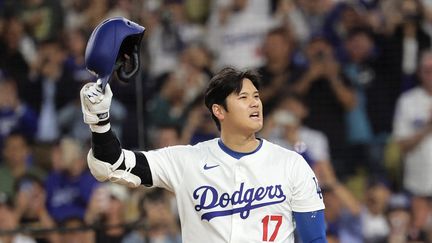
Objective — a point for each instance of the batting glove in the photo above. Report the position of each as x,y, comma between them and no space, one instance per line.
95,104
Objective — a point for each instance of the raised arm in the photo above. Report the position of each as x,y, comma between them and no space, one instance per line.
106,158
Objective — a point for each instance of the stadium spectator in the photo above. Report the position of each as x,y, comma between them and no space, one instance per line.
74,16
17,50
278,70
285,127
307,17
328,96
164,42
106,212
15,115
369,122
342,214
236,33
45,93
17,161
30,207
157,214
167,107
74,65
343,17
195,71
199,125
75,230
402,48
374,222
412,131
95,13
42,18
399,218
9,222
69,188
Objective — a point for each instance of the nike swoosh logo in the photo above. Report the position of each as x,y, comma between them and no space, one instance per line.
208,167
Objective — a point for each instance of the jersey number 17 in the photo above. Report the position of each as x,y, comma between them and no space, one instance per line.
266,221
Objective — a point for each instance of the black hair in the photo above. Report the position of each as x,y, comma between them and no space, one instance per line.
289,95
285,33
360,31
26,179
225,82
167,126
63,224
153,195
16,132
53,41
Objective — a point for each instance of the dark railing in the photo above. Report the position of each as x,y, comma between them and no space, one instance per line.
38,231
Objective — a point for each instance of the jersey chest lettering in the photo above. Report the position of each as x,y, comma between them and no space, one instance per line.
242,200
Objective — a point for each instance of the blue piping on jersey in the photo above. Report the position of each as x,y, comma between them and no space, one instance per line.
235,154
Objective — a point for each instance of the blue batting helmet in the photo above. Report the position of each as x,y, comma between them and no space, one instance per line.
114,47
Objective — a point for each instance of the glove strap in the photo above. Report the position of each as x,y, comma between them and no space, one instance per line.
103,118
101,123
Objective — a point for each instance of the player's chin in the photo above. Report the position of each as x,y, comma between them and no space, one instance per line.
256,126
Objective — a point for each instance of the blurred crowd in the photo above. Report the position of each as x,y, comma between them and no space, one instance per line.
345,83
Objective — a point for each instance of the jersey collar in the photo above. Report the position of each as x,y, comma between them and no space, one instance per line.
235,154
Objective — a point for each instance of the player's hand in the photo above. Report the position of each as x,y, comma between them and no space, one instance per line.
95,103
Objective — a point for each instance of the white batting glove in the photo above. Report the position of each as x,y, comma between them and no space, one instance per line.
95,104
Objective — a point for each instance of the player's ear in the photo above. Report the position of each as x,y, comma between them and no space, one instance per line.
218,111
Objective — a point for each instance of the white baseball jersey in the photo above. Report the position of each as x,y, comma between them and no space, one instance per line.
413,112
224,199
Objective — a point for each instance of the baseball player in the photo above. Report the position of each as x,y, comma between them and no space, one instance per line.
236,188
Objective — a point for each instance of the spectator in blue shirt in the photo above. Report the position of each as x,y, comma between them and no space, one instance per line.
70,186
15,116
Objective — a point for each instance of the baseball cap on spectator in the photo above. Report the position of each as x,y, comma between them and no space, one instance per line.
118,192
399,201
378,181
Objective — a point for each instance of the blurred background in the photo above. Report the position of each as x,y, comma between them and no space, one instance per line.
347,84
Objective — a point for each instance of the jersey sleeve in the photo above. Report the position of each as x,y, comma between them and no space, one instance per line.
167,165
306,193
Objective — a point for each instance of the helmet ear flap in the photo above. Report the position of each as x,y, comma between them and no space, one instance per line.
128,66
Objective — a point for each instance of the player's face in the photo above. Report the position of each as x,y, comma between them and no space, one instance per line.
244,109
